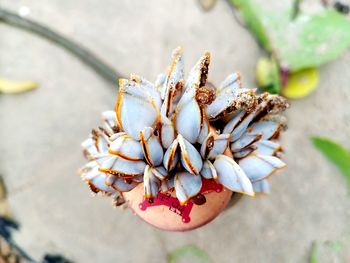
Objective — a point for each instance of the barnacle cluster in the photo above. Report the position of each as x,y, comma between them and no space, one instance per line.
171,134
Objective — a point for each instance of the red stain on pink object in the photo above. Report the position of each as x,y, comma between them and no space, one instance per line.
173,203
210,186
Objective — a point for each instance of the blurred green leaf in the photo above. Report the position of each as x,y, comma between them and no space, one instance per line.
335,153
327,251
310,41
268,75
314,253
188,253
298,42
336,246
251,17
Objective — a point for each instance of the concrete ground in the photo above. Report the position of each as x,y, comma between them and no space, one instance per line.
41,133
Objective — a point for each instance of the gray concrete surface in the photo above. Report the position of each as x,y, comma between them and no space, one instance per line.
41,133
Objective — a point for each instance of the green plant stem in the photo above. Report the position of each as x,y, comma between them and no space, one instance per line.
296,9
104,70
314,251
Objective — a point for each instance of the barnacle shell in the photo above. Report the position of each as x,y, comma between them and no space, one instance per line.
187,185
132,100
208,170
190,158
152,148
232,176
171,156
186,140
127,148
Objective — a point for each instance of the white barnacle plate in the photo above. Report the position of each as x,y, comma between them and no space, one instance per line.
189,120
232,176
173,84
245,141
159,82
208,170
204,130
207,145
232,123
261,186
190,157
95,178
122,167
266,147
225,95
171,157
242,126
110,122
115,136
220,144
149,88
167,132
151,183
258,167
244,152
187,186
135,108
268,129
160,172
196,79
167,184
152,149
89,148
127,148
175,73
121,185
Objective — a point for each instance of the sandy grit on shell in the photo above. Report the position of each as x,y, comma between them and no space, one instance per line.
168,217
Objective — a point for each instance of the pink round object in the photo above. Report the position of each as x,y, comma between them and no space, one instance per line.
165,211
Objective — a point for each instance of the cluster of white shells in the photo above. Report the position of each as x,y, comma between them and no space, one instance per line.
171,134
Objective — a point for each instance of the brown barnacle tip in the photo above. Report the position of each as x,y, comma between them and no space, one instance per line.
118,201
177,53
204,69
128,180
104,131
247,101
94,134
157,129
93,188
115,129
205,95
134,77
279,104
86,154
210,143
276,103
